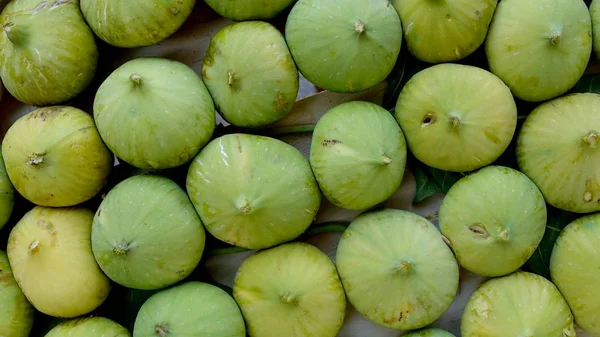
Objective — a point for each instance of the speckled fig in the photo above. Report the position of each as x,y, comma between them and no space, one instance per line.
190,309
250,74
135,23
146,234
456,117
154,113
346,48
17,313
519,304
575,270
558,147
539,48
494,219
253,191
55,157
290,290
444,31
243,10
48,54
94,326
358,155
383,258
50,253
7,194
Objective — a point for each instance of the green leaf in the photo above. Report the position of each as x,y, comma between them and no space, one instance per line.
539,263
432,181
587,83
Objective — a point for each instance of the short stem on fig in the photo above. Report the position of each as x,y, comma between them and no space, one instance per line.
288,298
554,39
243,205
403,267
359,27
121,249
386,160
136,79
592,139
230,78
162,330
504,235
34,247
35,159
454,122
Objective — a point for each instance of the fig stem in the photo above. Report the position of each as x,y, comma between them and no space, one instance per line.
34,247
36,159
230,78
359,27
454,122
554,39
121,249
404,267
387,160
504,235
136,79
161,330
592,139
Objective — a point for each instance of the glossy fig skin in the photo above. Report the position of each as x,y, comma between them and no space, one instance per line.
48,54
17,313
575,270
94,326
243,10
135,23
7,194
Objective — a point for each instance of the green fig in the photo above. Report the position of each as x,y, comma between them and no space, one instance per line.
7,194
94,326
17,313
242,10
428,332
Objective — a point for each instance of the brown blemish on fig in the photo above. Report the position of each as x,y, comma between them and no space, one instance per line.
34,247
47,226
429,119
478,14
330,142
491,137
280,103
449,17
162,330
45,113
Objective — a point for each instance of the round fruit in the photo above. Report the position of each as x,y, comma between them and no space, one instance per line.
345,48
154,113
290,290
89,327
495,219
55,157
358,155
575,270
520,304
456,117
17,313
253,191
240,10
48,54
7,194
444,31
595,17
383,259
558,147
250,74
146,234
190,309
50,253
129,24
428,332
539,48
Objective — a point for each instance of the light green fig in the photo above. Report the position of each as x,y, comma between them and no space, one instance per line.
519,304
344,48
146,234
358,155
55,157
384,258
575,270
595,19
17,313
48,54
135,23
456,117
190,309
253,191
51,257
444,31
250,74
94,326
558,147
494,219
291,290
154,113
428,332
242,10
539,48
7,194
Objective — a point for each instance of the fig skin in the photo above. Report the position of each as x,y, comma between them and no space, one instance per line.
291,290
48,54
383,258
456,117
444,31
595,17
154,113
250,74
494,219
190,309
146,234
55,157
17,313
519,304
253,191
242,10
358,155
539,48
428,332
346,48
7,194
95,326
558,148
575,270
60,280
135,23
